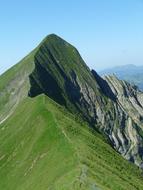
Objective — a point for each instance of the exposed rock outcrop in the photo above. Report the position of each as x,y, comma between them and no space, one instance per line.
128,137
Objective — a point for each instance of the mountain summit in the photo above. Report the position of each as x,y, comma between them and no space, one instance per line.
61,74
62,126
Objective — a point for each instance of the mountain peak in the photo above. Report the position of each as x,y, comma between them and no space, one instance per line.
61,74
52,38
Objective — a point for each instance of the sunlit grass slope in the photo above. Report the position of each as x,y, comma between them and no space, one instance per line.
43,147
14,85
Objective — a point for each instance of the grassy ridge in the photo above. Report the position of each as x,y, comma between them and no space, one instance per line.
32,146
48,148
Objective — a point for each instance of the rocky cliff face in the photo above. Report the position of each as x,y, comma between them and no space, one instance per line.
112,106
128,136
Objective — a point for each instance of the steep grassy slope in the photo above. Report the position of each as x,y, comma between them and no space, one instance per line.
33,149
14,85
45,147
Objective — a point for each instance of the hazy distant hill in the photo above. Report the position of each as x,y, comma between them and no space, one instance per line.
131,73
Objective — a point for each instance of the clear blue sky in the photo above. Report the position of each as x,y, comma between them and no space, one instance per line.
106,32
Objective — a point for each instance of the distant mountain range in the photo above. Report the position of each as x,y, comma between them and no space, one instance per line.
130,73
64,127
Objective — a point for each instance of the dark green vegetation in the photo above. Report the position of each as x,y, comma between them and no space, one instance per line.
130,73
46,142
59,73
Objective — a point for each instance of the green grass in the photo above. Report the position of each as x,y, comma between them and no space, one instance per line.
33,148
14,84
45,147
42,146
